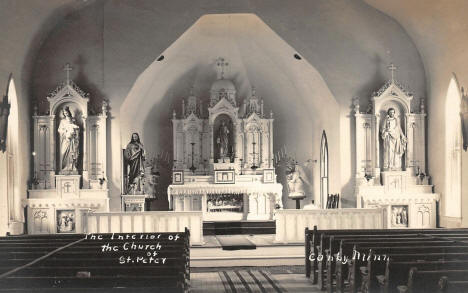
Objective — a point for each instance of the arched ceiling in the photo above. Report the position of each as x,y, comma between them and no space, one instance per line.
256,56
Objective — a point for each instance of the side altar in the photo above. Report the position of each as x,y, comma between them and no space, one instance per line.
223,157
391,158
69,157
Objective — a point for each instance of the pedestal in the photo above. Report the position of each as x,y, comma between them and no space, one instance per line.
297,196
134,202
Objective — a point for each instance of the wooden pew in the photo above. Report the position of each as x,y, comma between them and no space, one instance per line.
452,286
350,249
397,271
102,271
420,281
312,240
434,241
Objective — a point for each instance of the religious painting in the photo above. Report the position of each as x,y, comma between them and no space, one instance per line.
133,207
66,221
178,177
269,176
225,203
399,215
224,177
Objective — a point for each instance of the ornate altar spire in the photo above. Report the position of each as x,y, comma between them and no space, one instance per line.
191,104
392,68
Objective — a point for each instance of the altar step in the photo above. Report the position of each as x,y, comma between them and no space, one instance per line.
267,253
239,227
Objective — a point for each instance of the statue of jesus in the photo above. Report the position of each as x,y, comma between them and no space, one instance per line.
394,141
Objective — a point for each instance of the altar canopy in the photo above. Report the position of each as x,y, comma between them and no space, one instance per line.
223,150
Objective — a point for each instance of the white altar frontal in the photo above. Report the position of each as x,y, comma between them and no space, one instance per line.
390,159
223,157
69,159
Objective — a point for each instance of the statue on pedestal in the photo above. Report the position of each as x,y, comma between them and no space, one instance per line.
69,143
296,186
394,141
134,155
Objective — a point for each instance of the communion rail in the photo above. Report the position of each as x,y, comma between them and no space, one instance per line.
290,224
145,222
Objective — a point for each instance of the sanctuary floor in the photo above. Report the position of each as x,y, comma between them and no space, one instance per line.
275,279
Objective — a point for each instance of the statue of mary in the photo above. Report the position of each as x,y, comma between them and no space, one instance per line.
69,133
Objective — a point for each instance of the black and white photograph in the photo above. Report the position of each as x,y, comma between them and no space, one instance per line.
234,146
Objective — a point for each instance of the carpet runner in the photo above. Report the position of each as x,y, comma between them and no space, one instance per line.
249,281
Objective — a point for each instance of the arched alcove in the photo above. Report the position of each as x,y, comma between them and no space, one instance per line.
292,89
453,149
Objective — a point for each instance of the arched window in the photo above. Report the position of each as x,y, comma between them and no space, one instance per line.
324,169
453,147
10,192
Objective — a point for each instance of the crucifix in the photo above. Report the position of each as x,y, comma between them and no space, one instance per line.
68,68
193,168
254,167
392,68
221,63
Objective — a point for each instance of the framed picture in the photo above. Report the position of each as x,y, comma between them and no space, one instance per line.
269,176
399,214
224,177
178,177
66,221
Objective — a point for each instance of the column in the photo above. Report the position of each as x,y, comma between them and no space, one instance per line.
52,156
377,147
85,153
211,143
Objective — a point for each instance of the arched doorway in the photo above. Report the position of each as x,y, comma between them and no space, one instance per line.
324,184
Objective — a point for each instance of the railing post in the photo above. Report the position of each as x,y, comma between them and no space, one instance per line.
307,252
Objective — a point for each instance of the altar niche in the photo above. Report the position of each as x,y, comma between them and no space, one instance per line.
223,139
69,138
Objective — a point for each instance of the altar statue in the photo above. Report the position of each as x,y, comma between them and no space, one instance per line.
135,156
295,179
69,142
223,140
394,141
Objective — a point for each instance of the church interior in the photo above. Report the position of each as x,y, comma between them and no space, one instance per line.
251,136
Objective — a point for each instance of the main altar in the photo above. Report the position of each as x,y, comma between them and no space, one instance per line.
391,158
223,156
